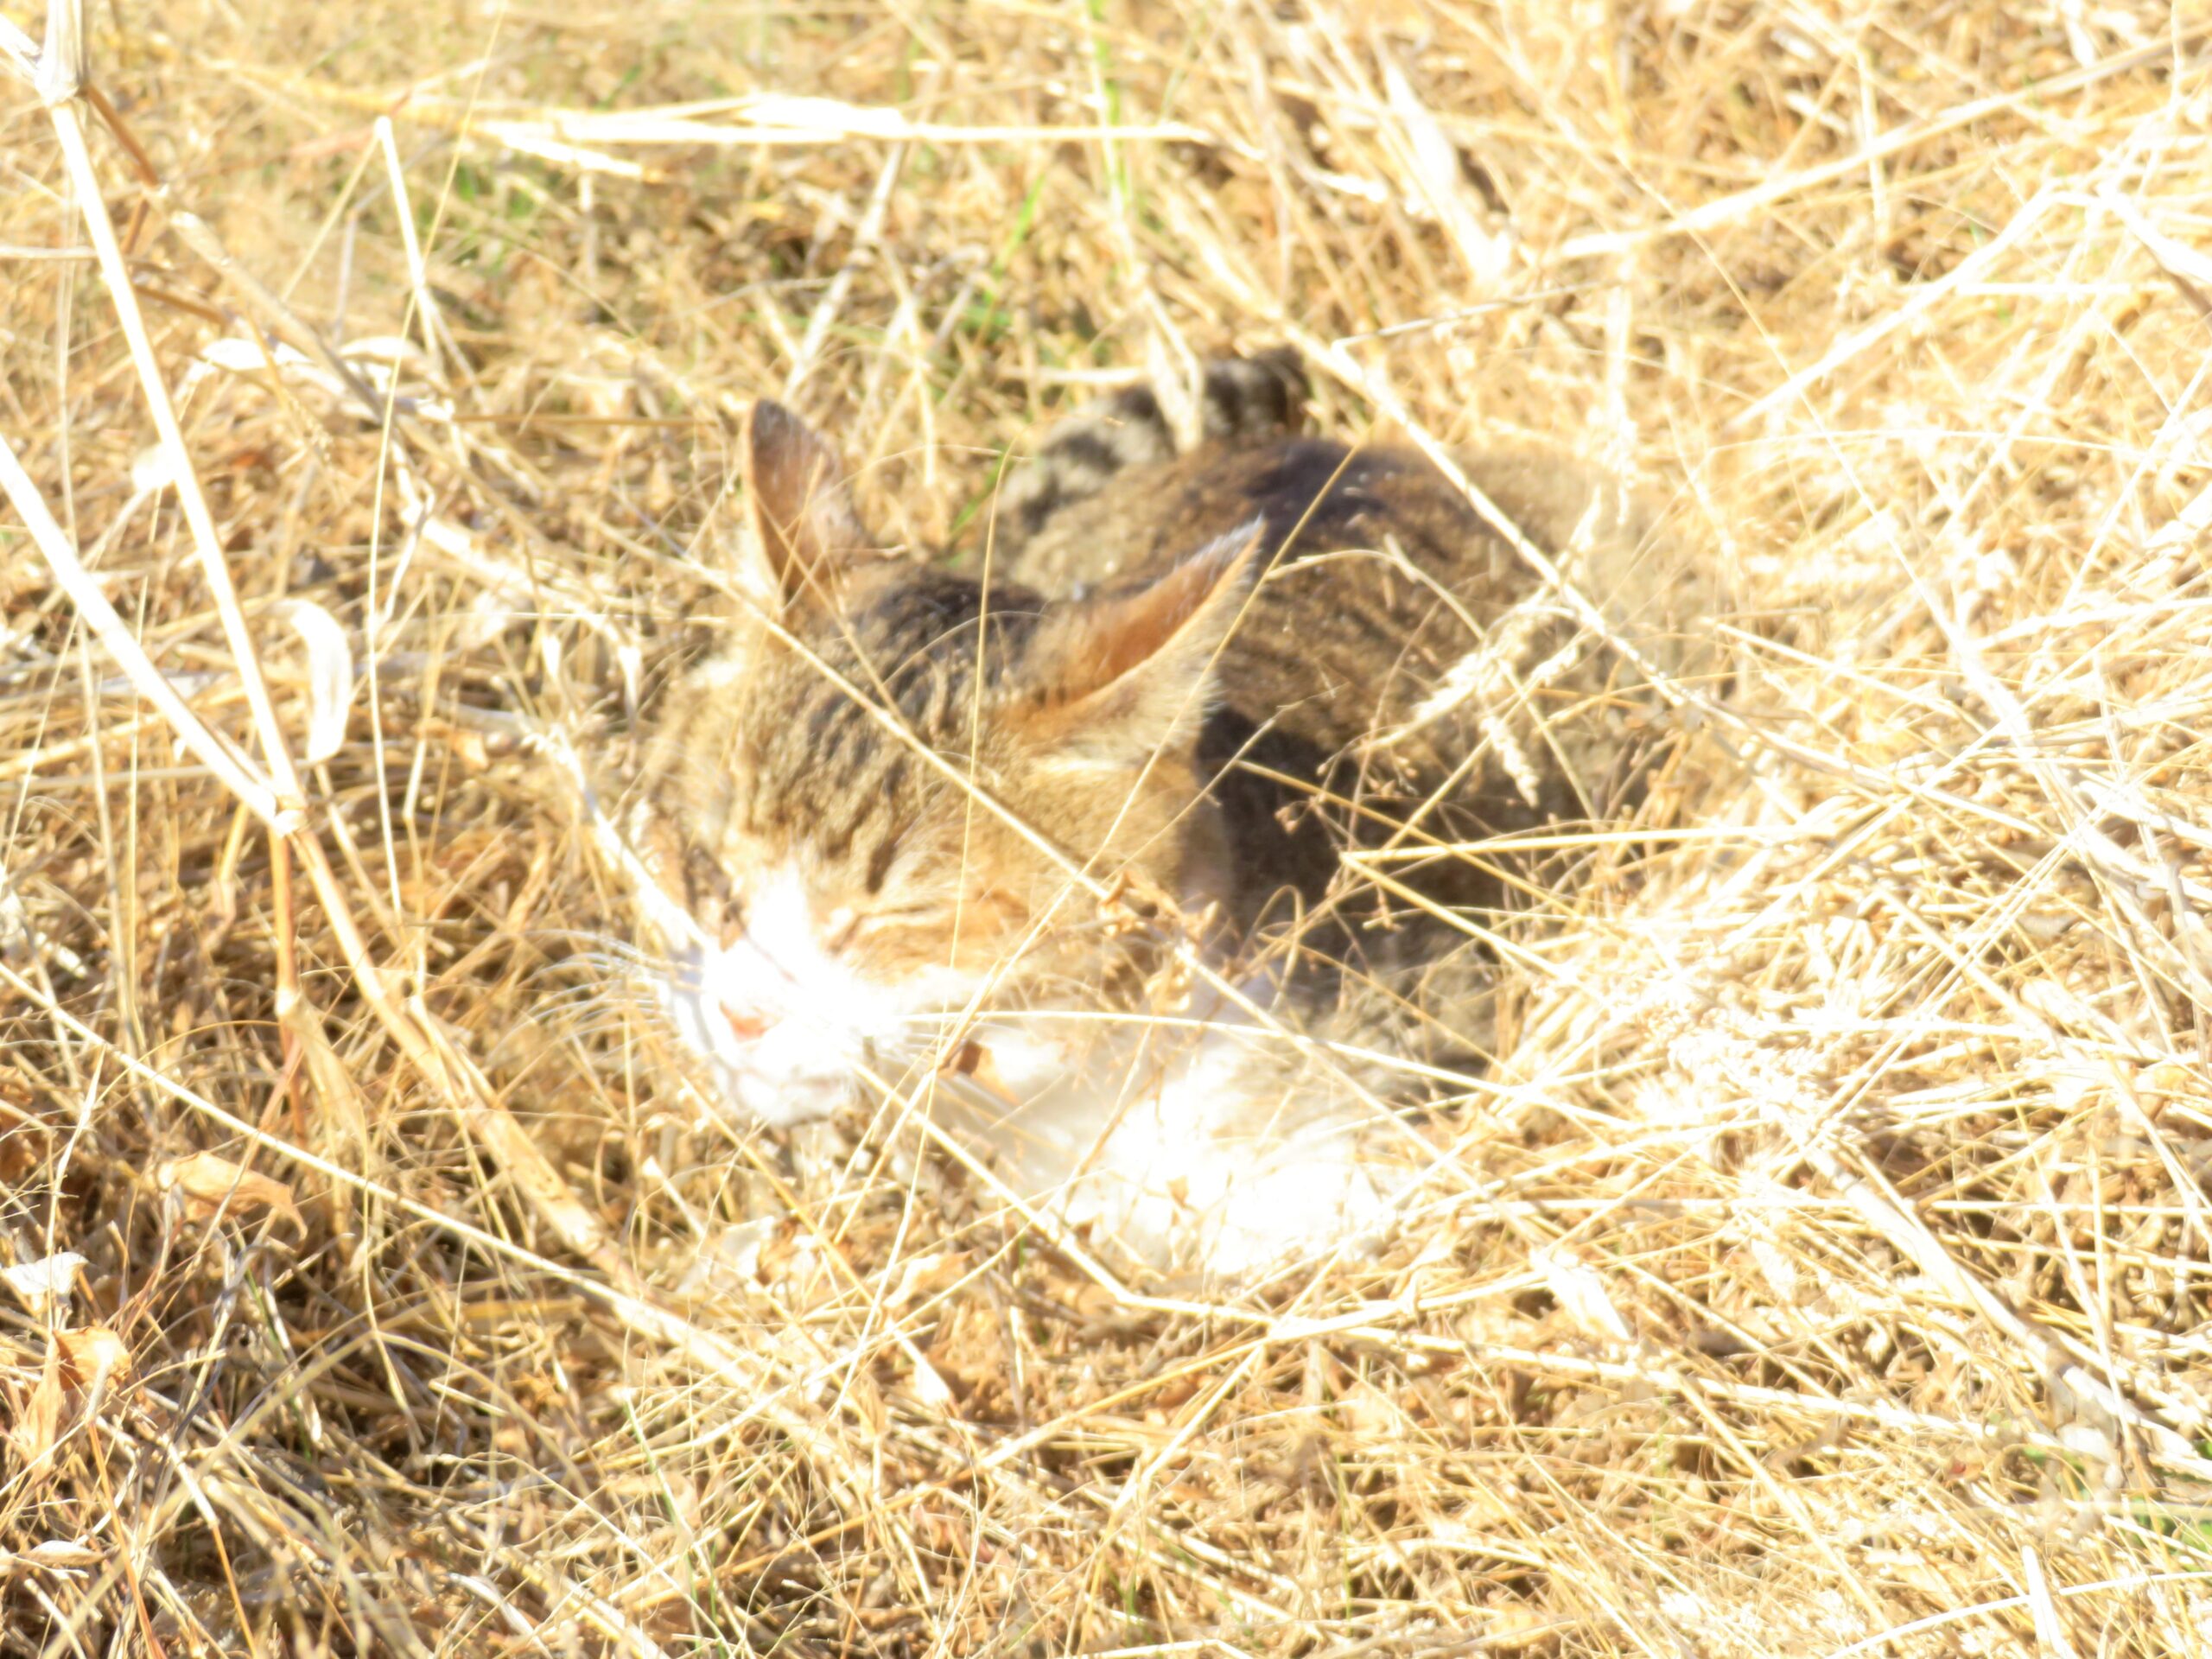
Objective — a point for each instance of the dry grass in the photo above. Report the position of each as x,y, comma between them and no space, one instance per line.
1831,1272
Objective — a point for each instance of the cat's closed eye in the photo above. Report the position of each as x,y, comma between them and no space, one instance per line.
887,917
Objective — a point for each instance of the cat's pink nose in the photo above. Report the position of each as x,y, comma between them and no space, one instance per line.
744,1027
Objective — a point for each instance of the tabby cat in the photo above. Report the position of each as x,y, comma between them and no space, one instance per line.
1055,847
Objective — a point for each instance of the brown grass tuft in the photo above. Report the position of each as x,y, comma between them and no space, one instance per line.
1828,1268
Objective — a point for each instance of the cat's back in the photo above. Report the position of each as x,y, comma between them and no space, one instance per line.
1381,579
1314,495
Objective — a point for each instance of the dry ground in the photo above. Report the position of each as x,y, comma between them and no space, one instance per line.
1828,1270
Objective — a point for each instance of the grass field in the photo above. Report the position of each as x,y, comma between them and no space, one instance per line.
1828,1267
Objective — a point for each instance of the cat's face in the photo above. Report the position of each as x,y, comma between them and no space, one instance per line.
815,796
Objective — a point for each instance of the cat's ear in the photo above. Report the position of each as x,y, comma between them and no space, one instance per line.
803,525
1113,679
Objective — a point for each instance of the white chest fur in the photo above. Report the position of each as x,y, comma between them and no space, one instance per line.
1205,1147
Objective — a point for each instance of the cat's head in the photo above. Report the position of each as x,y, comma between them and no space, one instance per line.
816,793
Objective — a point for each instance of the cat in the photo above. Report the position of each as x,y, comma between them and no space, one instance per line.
1058,842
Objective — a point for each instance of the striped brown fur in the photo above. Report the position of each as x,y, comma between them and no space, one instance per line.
1209,671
